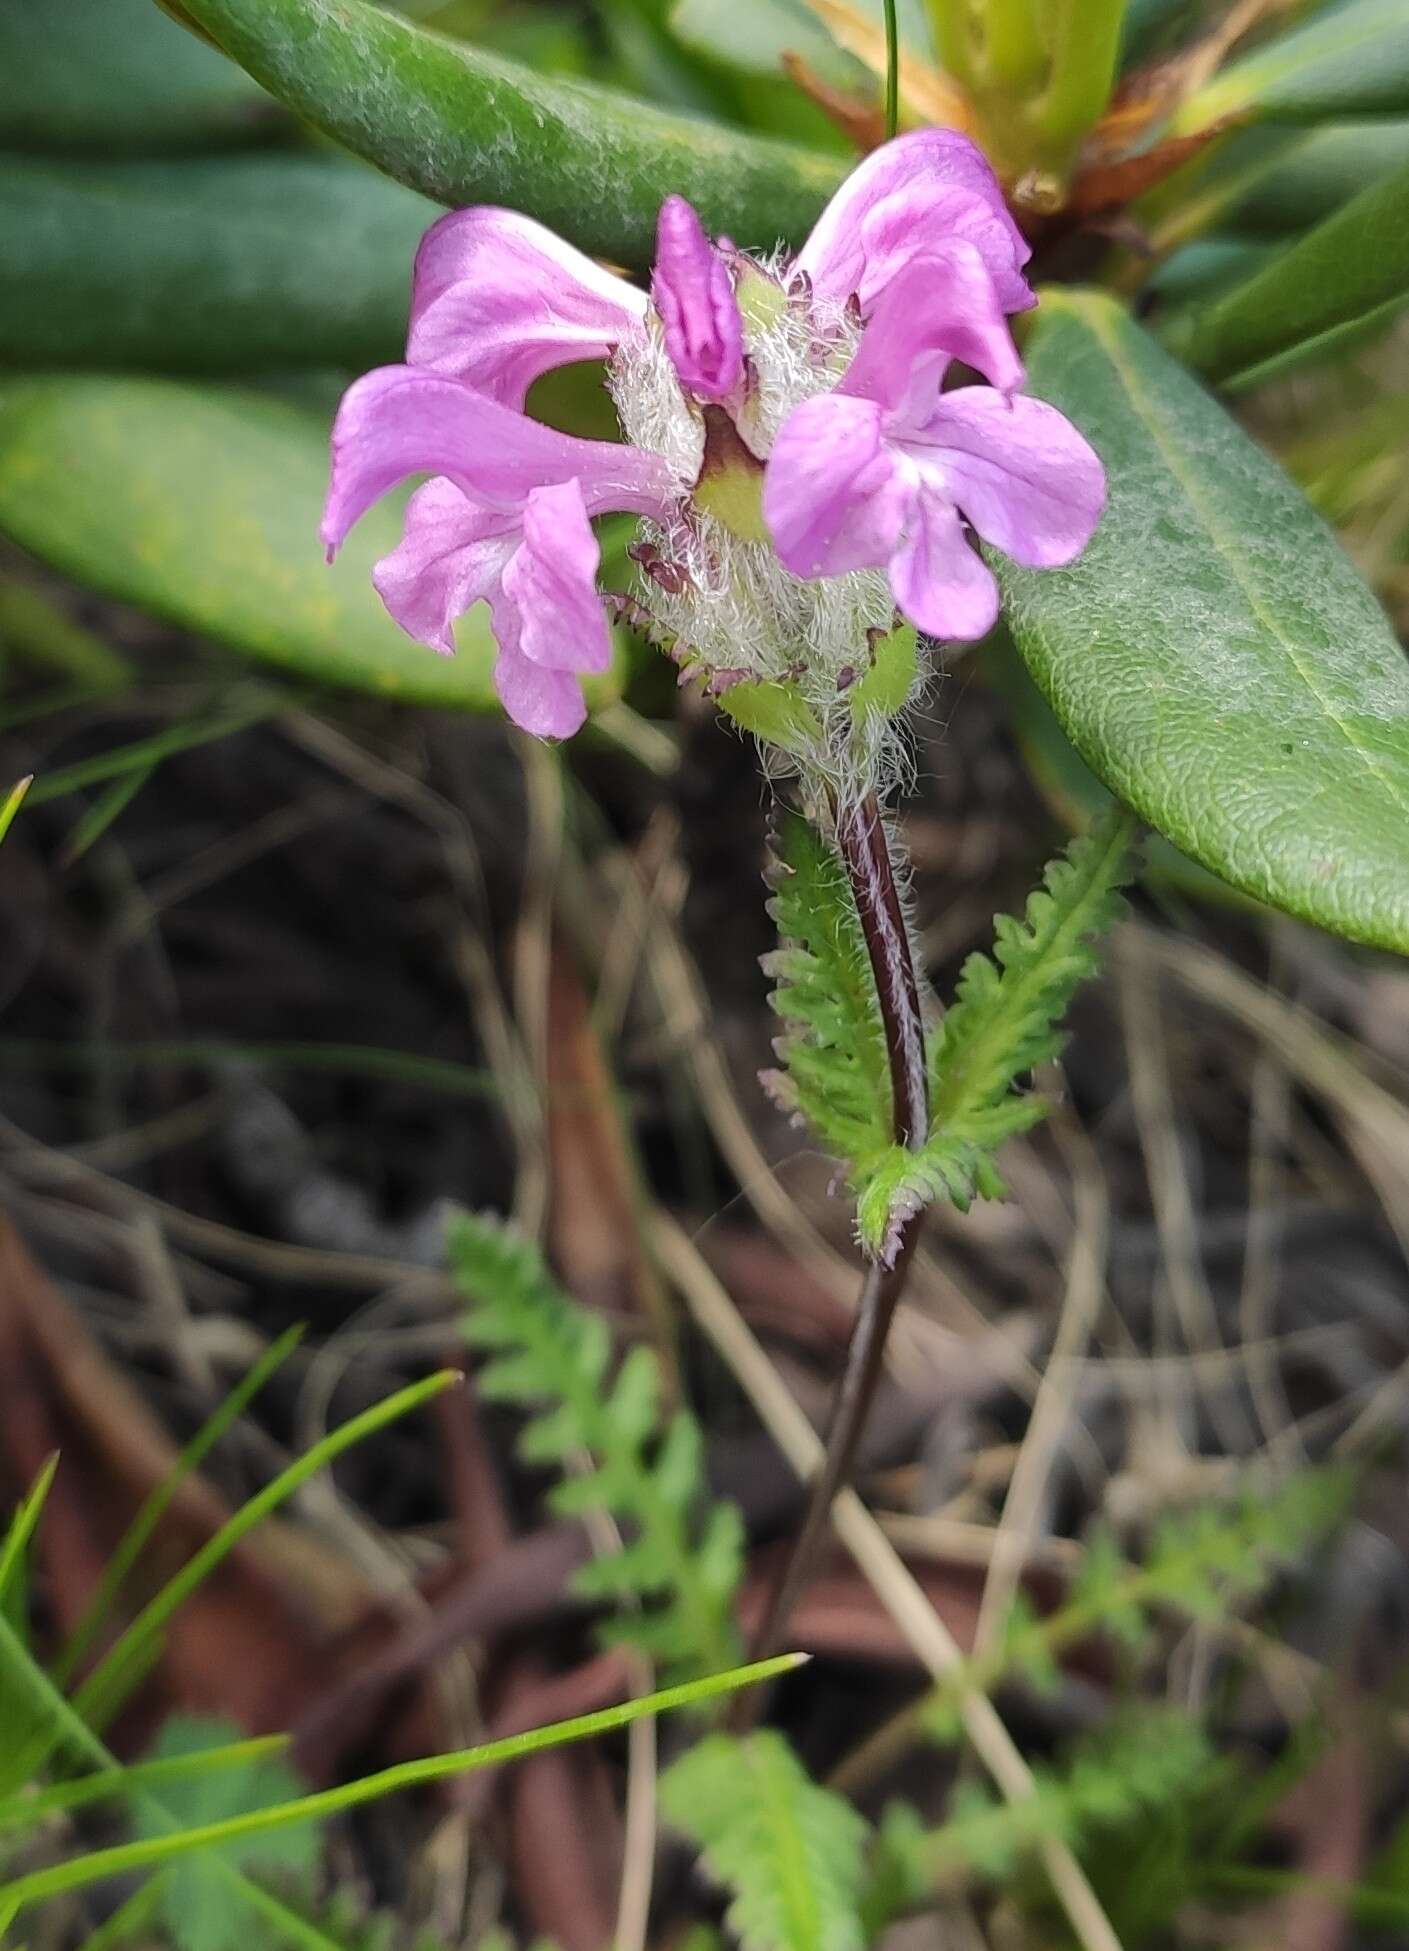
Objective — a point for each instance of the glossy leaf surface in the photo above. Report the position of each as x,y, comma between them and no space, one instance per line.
202,506
468,127
217,265
1214,656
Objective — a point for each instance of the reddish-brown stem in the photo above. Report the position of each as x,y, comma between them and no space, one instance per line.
861,841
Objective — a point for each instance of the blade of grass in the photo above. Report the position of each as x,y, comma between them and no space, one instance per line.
95,1699
104,810
75,1734
134,1541
23,1811
12,802
53,698
125,1858
128,1919
892,71
144,754
22,1526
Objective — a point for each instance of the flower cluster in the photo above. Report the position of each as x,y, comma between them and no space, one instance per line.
800,472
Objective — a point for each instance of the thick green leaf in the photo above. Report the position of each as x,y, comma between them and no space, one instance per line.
1323,169
1200,272
468,127
1152,28
1069,786
755,35
1342,280
1269,179
220,265
202,506
1347,60
1213,655
116,77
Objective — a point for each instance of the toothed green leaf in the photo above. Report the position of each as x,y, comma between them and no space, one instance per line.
790,1853
678,1568
1005,1018
204,1910
833,1052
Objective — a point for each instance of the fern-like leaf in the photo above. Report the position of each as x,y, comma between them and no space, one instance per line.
677,1573
1138,1764
834,1074
1005,1018
1199,1563
791,1854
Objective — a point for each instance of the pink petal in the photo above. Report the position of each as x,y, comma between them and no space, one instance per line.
547,703
913,220
915,167
552,582
941,305
1019,470
497,299
834,497
939,581
694,294
451,554
399,420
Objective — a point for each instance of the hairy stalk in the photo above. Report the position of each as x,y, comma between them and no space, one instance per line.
861,841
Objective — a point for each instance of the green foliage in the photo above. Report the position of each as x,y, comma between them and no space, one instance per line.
1134,1765
128,1659
1336,285
1005,1018
170,1844
1349,59
202,507
116,78
11,803
790,1853
1200,1563
1205,1560
835,1075
467,127
220,265
1068,784
674,1579
201,1908
1213,655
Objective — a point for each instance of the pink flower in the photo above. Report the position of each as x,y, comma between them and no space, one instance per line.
506,517
915,263
497,300
878,472
921,189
